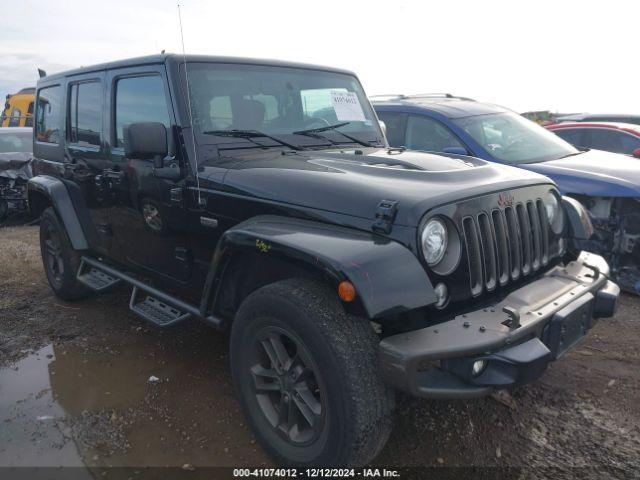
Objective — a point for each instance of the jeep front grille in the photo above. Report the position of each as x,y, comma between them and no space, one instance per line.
506,243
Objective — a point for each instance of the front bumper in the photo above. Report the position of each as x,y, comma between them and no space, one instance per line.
517,337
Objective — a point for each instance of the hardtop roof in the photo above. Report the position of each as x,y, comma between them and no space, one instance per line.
178,58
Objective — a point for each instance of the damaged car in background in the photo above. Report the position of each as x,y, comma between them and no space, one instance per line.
15,170
607,184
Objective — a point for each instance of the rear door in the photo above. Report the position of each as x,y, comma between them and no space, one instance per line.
610,140
149,221
84,153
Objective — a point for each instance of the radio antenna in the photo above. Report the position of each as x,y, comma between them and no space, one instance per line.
193,133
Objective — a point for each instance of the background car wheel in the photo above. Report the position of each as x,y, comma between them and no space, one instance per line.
59,259
306,376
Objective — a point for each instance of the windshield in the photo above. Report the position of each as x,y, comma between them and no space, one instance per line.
14,141
281,102
511,138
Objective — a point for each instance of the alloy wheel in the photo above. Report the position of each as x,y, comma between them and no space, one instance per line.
287,386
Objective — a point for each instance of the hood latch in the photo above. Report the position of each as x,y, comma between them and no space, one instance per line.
385,215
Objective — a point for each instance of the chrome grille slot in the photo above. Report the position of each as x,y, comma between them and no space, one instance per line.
515,245
544,225
487,245
472,242
536,234
525,238
502,245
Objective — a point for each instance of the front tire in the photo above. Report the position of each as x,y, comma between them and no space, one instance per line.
306,375
60,261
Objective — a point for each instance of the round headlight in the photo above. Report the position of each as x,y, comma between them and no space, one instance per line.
434,241
554,212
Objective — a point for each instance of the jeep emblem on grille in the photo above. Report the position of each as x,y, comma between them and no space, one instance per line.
505,200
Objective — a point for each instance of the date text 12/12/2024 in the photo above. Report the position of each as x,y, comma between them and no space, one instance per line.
315,473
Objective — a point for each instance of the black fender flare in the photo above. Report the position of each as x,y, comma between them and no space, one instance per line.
387,276
57,194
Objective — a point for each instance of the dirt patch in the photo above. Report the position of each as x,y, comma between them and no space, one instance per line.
76,390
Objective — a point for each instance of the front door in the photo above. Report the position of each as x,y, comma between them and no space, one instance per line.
149,220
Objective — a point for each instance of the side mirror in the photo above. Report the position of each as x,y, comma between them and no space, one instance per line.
383,127
455,150
636,153
145,140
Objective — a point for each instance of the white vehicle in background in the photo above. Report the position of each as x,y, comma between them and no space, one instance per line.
16,145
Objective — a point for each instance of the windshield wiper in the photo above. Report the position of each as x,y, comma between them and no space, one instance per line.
251,134
314,133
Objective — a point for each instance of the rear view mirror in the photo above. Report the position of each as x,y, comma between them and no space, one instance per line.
145,140
636,153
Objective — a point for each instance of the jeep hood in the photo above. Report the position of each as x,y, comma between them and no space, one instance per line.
355,182
594,173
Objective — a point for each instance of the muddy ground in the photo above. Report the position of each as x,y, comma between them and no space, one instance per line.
75,391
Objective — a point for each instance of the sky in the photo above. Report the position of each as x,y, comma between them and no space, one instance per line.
563,55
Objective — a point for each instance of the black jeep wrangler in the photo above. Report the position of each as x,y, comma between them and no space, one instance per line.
263,196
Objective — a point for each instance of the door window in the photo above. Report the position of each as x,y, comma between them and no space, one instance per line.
395,123
139,99
85,113
14,121
571,135
630,143
48,114
611,140
29,121
424,133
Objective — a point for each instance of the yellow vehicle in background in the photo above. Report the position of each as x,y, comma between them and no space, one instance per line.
18,109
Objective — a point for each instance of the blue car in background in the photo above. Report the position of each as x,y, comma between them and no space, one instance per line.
608,184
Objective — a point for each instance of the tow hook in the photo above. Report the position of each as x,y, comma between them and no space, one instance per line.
514,317
594,269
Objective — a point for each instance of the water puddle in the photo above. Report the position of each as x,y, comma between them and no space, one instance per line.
32,432
91,405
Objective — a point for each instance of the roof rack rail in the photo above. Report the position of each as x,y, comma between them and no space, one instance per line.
402,96
439,95
389,96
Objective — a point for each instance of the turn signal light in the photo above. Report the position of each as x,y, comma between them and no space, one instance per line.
346,291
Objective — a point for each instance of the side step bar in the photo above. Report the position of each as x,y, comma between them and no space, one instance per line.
156,311
95,279
156,306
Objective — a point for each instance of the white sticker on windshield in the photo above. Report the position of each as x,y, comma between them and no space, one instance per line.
347,106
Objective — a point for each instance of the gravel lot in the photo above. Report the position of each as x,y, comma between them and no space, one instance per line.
75,390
